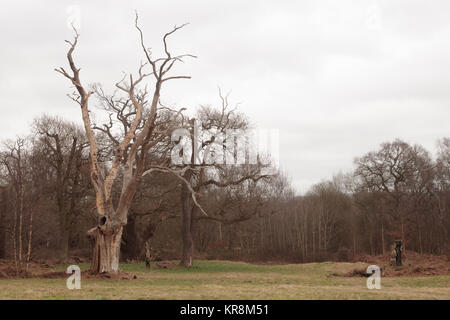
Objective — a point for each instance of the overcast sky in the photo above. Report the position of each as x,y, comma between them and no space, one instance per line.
336,78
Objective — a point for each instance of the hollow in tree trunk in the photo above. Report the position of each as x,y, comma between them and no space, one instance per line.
106,239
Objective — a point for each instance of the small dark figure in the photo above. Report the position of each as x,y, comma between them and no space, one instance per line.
398,252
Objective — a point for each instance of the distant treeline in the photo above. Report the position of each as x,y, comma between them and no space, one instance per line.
47,204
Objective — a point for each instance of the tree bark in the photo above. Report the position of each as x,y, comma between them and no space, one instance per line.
30,236
147,254
130,250
106,252
187,258
63,237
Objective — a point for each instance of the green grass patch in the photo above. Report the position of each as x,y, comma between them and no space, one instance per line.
230,280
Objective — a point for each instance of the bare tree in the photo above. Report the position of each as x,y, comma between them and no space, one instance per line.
15,159
62,145
442,194
205,174
130,151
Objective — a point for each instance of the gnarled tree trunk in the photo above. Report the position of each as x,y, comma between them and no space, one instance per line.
106,238
130,152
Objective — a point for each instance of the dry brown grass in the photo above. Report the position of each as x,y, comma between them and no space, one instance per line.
231,280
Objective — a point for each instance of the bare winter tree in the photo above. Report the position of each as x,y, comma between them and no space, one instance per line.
404,174
204,173
16,161
131,150
62,146
442,194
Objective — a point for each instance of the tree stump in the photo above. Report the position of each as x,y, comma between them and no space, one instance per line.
398,252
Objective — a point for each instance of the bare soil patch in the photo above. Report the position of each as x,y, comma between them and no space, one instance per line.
414,265
41,270
167,265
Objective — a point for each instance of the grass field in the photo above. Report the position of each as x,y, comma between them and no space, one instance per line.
231,280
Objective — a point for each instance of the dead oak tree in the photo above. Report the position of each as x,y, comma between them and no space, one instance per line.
129,157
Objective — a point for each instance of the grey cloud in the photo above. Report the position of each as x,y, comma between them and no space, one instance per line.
335,77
